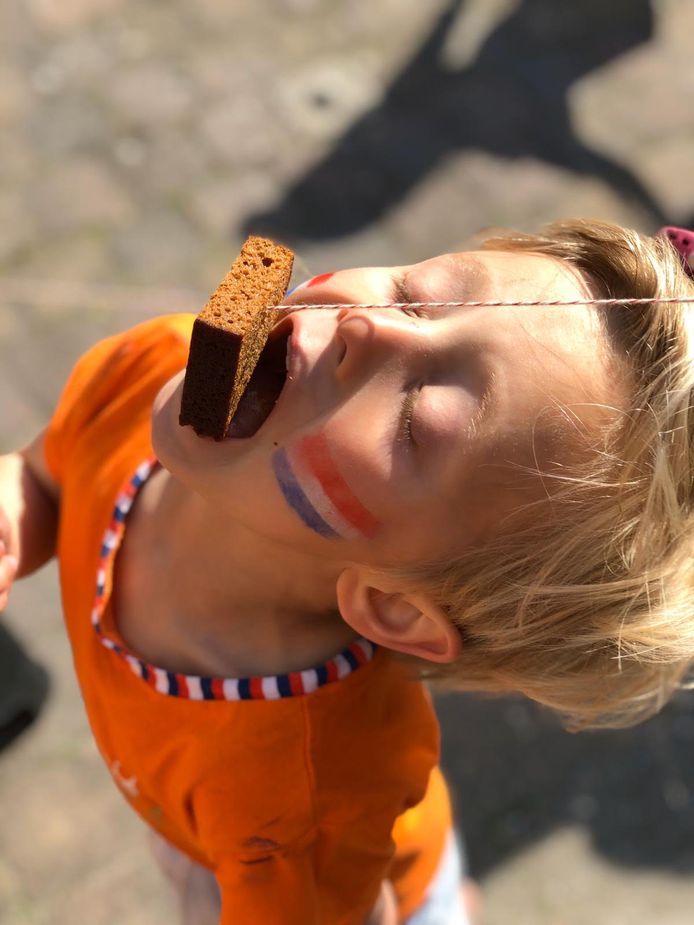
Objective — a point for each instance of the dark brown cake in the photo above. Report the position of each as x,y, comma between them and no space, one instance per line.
229,334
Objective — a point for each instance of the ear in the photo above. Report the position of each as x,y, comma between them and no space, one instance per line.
404,621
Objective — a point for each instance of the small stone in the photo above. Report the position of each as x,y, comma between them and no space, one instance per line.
79,193
297,6
326,97
150,95
48,79
20,161
62,15
664,166
66,125
13,95
135,44
18,229
241,132
161,249
9,881
220,206
130,152
174,161
84,58
16,406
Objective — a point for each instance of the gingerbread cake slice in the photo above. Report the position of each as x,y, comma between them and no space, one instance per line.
230,333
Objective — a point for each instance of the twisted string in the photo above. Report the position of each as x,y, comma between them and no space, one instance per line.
490,304
51,293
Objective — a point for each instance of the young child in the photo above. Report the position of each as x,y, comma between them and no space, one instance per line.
494,496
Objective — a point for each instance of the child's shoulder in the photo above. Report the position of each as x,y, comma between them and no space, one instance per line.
150,348
112,385
156,333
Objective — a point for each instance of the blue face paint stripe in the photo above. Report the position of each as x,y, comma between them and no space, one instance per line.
295,497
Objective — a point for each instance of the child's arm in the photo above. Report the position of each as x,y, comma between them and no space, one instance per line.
29,501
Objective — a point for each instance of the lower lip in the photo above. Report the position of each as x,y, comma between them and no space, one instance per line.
292,361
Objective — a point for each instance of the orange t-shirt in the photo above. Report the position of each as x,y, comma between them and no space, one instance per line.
301,792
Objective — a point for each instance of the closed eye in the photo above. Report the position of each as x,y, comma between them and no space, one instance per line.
402,295
406,410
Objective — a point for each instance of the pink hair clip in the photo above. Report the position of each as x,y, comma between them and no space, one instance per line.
683,242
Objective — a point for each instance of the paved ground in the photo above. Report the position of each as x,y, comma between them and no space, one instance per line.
140,140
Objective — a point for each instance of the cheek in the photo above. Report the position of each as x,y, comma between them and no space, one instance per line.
318,487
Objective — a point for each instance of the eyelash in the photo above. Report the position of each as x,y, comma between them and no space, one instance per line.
401,295
406,416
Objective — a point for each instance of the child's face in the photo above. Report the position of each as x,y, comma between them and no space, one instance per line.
395,436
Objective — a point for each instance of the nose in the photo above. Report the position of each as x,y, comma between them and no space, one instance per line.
371,338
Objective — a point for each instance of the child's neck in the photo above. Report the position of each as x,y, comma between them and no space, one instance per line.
226,608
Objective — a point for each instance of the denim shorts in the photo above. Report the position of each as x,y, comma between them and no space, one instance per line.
443,905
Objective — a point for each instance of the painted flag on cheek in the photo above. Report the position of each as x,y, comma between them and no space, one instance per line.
315,489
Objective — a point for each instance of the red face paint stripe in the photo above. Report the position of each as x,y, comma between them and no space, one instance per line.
256,688
317,280
316,454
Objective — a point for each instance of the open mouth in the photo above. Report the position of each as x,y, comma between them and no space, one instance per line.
265,385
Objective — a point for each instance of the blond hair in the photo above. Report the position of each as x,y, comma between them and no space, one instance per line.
587,604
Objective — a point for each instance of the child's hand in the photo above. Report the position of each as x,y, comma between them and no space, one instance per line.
8,563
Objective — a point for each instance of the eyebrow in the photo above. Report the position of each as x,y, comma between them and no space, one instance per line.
462,275
473,271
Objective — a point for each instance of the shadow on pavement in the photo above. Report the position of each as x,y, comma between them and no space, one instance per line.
516,775
511,102
24,686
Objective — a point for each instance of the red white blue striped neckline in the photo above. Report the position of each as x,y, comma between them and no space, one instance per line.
195,687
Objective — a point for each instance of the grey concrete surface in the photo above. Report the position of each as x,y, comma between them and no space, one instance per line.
139,141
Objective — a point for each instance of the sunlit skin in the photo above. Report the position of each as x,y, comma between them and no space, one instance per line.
397,398
314,488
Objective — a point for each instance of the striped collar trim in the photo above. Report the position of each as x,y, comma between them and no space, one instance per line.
194,687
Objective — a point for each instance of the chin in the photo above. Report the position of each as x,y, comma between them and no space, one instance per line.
167,434
191,459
